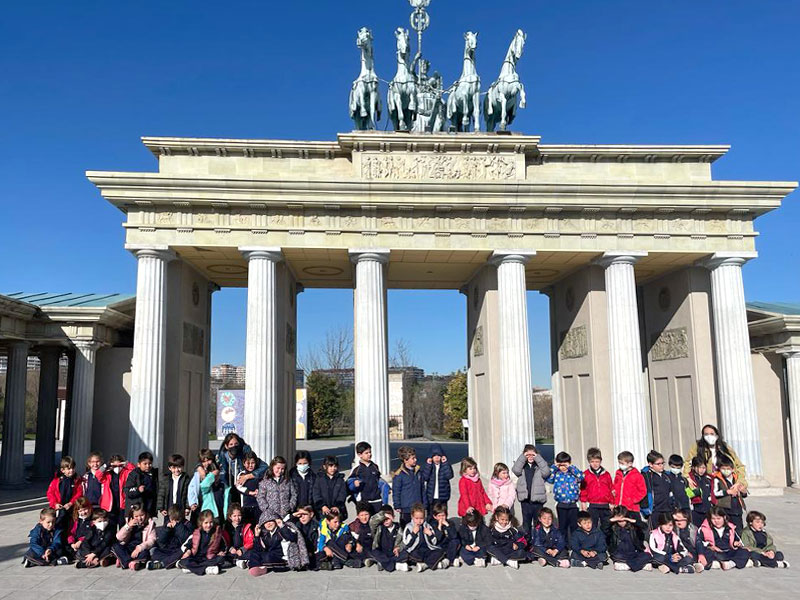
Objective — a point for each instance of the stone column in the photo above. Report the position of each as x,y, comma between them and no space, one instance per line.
68,402
44,458
371,354
262,381
516,390
736,389
793,384
12,466
148,364
83,402
628,397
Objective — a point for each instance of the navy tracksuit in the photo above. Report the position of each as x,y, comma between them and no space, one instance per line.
544,540
594,540
169,543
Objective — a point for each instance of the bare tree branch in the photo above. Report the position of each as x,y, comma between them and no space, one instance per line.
401,354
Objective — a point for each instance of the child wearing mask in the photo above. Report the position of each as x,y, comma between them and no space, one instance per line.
701,490
95,551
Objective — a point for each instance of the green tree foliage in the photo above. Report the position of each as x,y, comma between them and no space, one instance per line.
455,404
324,403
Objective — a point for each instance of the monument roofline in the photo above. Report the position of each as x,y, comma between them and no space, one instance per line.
473,143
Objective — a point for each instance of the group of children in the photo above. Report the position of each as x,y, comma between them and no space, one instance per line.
263,520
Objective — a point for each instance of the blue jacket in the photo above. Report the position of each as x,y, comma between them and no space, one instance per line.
548,540
566,484
445,475
659,492
369,478
406,488
229,467
594,540
42,540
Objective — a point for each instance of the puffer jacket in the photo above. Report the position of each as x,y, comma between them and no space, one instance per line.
276,498
148,535
541,472
566,484
215,545
502,492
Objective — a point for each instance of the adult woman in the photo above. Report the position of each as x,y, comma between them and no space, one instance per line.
276,494
710,447
230,459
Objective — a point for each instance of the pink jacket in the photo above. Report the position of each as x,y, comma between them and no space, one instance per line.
658,542
148,535
708,535
502,491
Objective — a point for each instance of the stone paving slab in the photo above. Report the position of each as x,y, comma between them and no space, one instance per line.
19,509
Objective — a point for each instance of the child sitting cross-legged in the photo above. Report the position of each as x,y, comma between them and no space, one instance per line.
276,547
508,543
687,533
308,528
668,551
445,535
548,545
170,540
387,536
135,539
206,548
475,540
81,524
720,546
416,540
627,544
360,537
588,544
238,537
759,542
45,545
333,542
95,550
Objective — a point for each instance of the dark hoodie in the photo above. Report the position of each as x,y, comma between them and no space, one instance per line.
430,474
330,492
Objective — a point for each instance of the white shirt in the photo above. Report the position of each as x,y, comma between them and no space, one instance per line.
175,488
436,481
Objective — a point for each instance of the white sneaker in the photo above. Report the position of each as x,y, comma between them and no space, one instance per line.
212,570
368,562
456,562
421,567
62,561
727,565
621,566
647,567
514,564
784,564
698,567
480,562
542,562
663,568
564,563
185,571
443,564
241,563
401,566
749,563
715,564
494,562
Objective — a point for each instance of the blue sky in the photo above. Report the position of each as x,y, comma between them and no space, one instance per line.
82,81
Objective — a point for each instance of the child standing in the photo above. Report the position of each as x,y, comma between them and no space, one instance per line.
95,551
701,489
386,539
532,473
45,542
135,539
720,547
364,481
680,485
249,488
588,544
475,539
170,540
471,494
668,551
628,549
659,489
141,485
303,478
112,496
758,541
629,485
728,493
206,551
62,492
597,492
501,491
238,535
206,491
416,536
436,473
330,489
508,544
566,479
406,484
333,546
174,488
548,546
92,487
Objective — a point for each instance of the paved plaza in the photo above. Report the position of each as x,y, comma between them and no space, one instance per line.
18,510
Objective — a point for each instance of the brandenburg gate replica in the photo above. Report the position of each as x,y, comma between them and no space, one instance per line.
638,248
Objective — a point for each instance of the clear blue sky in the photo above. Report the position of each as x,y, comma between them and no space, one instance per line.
82,81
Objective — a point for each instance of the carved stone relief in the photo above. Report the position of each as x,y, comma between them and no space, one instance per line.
574,343
670,344
477,341
438,166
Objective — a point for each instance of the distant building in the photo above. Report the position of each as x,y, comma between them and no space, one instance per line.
230,374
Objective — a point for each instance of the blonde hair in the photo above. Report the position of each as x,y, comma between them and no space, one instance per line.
466,463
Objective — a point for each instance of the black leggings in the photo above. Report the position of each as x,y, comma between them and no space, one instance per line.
198,564
538,552
765,561
674,566
636,561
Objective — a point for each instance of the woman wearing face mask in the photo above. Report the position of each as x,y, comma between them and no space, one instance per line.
710,447
230,459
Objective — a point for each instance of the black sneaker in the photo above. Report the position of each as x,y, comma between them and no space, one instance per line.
154,565
80,565
325,566
26,563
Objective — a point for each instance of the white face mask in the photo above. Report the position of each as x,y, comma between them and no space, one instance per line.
117,470
302,468
726,472
675,470
624,468
711,439
101,525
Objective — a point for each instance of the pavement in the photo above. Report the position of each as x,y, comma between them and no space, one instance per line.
19,509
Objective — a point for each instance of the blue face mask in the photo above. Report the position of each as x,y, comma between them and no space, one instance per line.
302,468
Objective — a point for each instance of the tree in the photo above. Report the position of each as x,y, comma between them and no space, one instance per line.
335,352
324,403
401,354
455,404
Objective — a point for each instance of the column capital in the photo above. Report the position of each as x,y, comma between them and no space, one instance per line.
213,287
299,288
719,259
619,257
499,257
790,352
380,255
272,253
156,251
87,345
19,344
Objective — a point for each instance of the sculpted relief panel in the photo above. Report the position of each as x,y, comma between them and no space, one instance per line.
574,343
463,167
671,344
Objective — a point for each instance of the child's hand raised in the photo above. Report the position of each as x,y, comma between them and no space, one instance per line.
444,458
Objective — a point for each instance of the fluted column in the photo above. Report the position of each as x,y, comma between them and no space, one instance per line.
44,458
371,353
148,365
261,379
82,401
793,385
516,390
736,389
12,467
628,397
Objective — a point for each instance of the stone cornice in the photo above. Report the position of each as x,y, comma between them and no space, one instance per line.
102,316
631,153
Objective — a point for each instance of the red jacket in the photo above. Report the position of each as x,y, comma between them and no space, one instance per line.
597,489
247,536
629,489
104,477
471,495
215,545
53,495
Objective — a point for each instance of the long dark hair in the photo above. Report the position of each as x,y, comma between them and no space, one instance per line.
704,450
